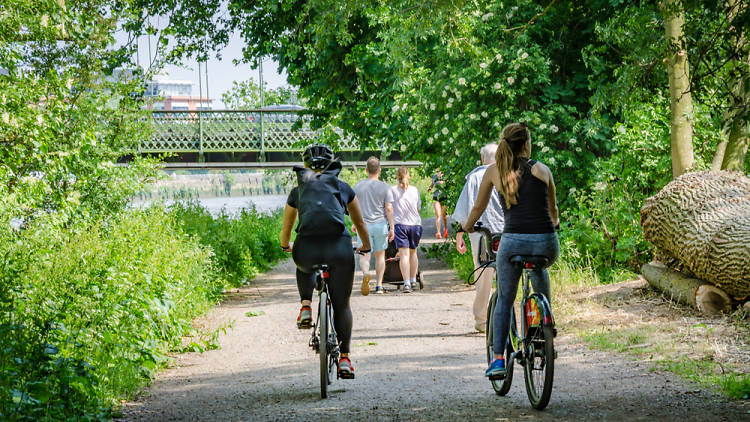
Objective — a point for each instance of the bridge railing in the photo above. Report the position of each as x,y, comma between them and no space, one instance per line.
231,131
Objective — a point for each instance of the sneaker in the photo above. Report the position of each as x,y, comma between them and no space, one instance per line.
304,319
480,326
379,290
437,235
496,369
346,369
445,233
407,287
366,285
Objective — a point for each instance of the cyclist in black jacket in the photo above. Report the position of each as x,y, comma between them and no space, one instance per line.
334,250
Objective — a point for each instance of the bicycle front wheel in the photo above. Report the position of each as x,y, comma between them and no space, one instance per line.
323,348
540,366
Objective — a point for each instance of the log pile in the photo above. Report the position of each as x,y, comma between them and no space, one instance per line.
699,225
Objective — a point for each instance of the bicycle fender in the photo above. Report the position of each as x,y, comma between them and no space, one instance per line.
547,318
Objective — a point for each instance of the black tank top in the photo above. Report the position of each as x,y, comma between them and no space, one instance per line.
531,213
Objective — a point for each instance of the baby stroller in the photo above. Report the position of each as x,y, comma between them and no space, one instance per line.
392,274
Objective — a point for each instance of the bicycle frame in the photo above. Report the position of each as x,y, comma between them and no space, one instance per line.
329,362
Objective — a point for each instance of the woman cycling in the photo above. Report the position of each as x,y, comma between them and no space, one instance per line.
527,192
334,250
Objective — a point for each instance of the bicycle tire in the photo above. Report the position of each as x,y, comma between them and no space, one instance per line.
502,386
539,370
509,349
323,347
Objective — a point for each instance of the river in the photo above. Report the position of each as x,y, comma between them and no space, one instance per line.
232,204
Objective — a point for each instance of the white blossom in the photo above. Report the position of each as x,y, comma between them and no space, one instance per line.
403,147
450,140
525,55
545,149
462,81
474,142
411,118
450,99
432,106
483,65
552,160
553,129
543,126
511,80
569,163
484,114
16,223
571,191
473,116
507,114
487,16
429,141
445,131
525,80
578,149
458,95
499,57
446,117
394,108
496,124
6,118
449,105
444,94
45,21
621,129
497,86
39,120
572,141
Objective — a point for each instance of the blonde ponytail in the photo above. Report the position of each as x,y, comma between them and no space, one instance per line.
513,146
401,174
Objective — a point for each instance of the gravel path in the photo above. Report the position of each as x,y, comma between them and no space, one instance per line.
417,358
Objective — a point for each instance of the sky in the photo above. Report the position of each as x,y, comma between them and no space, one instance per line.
221,73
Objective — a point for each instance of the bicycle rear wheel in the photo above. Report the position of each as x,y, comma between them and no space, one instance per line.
501,386
539,370
323,348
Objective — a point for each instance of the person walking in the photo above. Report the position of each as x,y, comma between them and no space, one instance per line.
527,195
492,218
408,227
438,204
376,202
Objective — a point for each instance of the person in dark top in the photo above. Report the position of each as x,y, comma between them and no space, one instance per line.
332,250
527,195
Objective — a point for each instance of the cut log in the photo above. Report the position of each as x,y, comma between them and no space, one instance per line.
694,292
746,307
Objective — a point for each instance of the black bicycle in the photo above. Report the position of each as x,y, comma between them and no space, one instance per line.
324,340
533,348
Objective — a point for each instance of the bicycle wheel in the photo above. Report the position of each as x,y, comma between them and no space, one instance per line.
540,366
323,348
501,386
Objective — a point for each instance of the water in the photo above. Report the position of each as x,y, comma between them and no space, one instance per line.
232,204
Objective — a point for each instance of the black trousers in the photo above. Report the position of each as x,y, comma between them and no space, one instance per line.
336,252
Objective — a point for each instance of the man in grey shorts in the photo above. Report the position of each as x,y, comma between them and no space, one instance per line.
375,201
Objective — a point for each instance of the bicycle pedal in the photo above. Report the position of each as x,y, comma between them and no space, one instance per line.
497,377
304,325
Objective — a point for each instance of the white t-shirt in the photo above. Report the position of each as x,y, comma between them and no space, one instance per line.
406,205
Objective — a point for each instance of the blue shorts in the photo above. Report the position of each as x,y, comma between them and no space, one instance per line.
407,236
378,236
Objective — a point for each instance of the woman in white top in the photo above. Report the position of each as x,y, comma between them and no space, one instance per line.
408,227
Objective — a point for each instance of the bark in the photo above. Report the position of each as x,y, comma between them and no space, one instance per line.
702,220
681,101
686,290
735,119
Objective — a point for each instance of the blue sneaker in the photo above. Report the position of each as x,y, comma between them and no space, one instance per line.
496,369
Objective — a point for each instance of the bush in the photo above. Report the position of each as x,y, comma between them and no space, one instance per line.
89,311
244,245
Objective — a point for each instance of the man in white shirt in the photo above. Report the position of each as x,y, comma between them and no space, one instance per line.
492,219
375,201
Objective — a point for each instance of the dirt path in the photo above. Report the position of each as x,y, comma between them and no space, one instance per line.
417,358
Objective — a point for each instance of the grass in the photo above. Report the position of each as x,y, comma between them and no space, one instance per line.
711,374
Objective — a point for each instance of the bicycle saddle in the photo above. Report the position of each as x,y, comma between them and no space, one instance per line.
536,261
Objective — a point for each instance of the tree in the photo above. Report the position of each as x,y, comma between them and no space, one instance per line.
681,100
246,95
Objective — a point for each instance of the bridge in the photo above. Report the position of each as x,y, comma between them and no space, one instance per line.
226,139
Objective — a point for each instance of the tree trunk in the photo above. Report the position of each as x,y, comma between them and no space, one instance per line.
735,119
688,291
681,133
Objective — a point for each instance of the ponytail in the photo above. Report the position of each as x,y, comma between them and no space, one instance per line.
510,150
401,174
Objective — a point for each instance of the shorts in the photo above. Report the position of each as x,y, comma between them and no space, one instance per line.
439,196
378,236
407,236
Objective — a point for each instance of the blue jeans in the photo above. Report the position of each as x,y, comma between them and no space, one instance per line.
545,244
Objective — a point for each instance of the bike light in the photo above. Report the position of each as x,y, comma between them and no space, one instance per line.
325,274
530,265
495,245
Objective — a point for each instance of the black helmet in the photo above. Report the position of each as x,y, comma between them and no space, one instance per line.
317,156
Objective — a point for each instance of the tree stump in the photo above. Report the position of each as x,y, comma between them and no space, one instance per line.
690,291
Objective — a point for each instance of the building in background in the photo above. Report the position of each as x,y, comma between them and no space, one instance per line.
176,95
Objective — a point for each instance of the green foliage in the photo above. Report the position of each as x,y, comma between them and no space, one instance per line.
246,95
89,310
244,245
463,264
711,374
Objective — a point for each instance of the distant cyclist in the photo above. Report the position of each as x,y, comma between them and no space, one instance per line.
527,195
325,245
